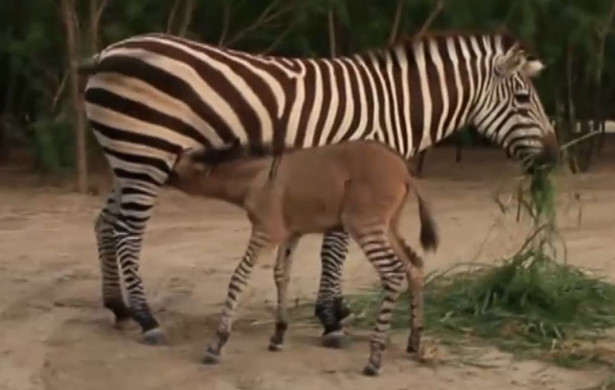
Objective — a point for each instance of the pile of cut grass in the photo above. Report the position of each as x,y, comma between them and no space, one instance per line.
529,304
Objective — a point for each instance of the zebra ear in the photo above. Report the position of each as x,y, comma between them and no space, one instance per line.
511,62
532,67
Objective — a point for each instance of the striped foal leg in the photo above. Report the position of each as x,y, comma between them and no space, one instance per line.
111,285
414,271
281,276
136,202
330,307
258,244
391,270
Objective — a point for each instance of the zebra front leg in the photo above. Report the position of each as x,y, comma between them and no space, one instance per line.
281,274
392,272
257,245
135,210
111,285
330,307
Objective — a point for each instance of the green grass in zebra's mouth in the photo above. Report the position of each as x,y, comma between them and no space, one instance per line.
532,304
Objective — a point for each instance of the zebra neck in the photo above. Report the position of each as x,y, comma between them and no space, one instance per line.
429,90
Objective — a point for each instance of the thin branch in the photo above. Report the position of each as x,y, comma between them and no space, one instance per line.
225,23
59,91
96,11
265,17
188,13
396,22
279,39
432,16
577,140
171,17
103,4
332,37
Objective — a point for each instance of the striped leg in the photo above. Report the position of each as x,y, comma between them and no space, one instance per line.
415,287
330,307
136,204
257,245
281,275
392,272
111,286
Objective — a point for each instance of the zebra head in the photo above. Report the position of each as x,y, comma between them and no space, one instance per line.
510,112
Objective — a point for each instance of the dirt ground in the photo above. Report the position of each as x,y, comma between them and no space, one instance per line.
54,334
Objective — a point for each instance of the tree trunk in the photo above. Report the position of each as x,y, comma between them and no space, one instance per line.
68,16
432,16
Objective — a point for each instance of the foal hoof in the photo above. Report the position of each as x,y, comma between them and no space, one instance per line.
371,370
334,340
211,357
275,347
348,319
414,344
154,337
122,324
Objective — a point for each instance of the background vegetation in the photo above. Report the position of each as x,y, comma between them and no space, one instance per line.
37,122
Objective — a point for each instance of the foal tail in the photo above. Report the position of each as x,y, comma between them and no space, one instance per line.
429,230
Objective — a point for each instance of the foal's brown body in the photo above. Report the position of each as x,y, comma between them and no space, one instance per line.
361,186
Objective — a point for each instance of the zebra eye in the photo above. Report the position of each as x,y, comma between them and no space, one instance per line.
523,111
523,98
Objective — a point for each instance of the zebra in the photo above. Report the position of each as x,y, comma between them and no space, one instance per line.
150,96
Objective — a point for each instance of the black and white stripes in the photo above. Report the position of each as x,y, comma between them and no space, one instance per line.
151,96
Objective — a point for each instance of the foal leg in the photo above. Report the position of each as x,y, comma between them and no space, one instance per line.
257,245
281,275
414,271
111,285
330,307
391,270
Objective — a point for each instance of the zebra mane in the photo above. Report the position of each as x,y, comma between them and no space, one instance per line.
508,39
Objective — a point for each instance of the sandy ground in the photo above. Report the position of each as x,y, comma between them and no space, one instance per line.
54,333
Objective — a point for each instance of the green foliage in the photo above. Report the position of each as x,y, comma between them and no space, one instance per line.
530,304
33,60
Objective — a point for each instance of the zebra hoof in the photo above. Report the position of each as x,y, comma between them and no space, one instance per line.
211,357
371,370
334,340
154,337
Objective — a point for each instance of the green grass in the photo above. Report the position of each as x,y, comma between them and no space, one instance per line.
531,304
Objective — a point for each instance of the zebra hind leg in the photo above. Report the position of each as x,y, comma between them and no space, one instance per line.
391,270
281,274
331,309
135,209
111,284
239,280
